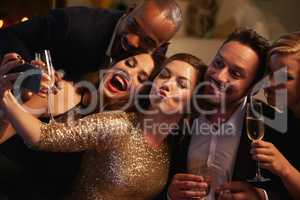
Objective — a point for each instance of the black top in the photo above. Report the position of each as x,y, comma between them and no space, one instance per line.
37,175
77,38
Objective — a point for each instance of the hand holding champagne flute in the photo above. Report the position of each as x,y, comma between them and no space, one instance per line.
206,172
255,132
214,176
45,57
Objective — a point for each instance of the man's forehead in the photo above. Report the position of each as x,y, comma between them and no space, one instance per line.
238,53
155,21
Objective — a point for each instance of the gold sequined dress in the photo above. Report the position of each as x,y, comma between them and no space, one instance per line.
118,164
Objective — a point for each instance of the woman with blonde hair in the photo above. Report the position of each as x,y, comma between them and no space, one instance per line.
281,158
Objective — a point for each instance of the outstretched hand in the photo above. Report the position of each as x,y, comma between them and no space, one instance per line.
12,61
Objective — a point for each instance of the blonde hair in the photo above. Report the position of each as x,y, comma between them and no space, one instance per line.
286,45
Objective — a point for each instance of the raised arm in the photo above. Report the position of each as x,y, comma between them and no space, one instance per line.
92,132
37,103
65,98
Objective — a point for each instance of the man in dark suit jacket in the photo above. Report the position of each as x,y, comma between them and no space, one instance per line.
238,65
82,40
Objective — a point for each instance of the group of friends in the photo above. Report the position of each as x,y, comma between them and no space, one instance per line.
149,150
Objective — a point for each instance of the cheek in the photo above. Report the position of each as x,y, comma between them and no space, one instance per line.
157,83
106,75
239,87
185,98
136,87
210,71
293,94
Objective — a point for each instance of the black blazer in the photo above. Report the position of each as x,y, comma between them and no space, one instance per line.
77,38
244,165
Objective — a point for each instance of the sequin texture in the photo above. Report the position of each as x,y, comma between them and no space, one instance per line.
118,164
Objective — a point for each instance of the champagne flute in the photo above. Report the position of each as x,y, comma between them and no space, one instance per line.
224,193
45,57
206,172
214,176
255,132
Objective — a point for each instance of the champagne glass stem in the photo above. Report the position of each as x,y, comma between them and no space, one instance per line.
258,171
50,111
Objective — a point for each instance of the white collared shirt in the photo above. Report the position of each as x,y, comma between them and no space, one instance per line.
216,146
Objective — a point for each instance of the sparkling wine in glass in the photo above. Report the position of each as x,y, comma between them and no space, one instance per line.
207,172
255,132
45,57
225,177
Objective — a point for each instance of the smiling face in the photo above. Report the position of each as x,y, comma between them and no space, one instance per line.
173,87
231,73
292,65
127,77
145,28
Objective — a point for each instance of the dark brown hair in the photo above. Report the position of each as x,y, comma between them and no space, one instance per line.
197,63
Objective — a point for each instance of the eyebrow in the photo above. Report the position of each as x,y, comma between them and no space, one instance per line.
165,68
236,67
144,73
184,78
180,77
134,61
151,40
241,70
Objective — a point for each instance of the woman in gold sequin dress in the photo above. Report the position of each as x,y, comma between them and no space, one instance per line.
40,168
127,156
139,67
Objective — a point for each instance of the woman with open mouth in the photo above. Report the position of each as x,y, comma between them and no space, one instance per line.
69,103
127,153
126,78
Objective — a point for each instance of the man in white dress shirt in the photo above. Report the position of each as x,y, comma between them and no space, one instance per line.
216,138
